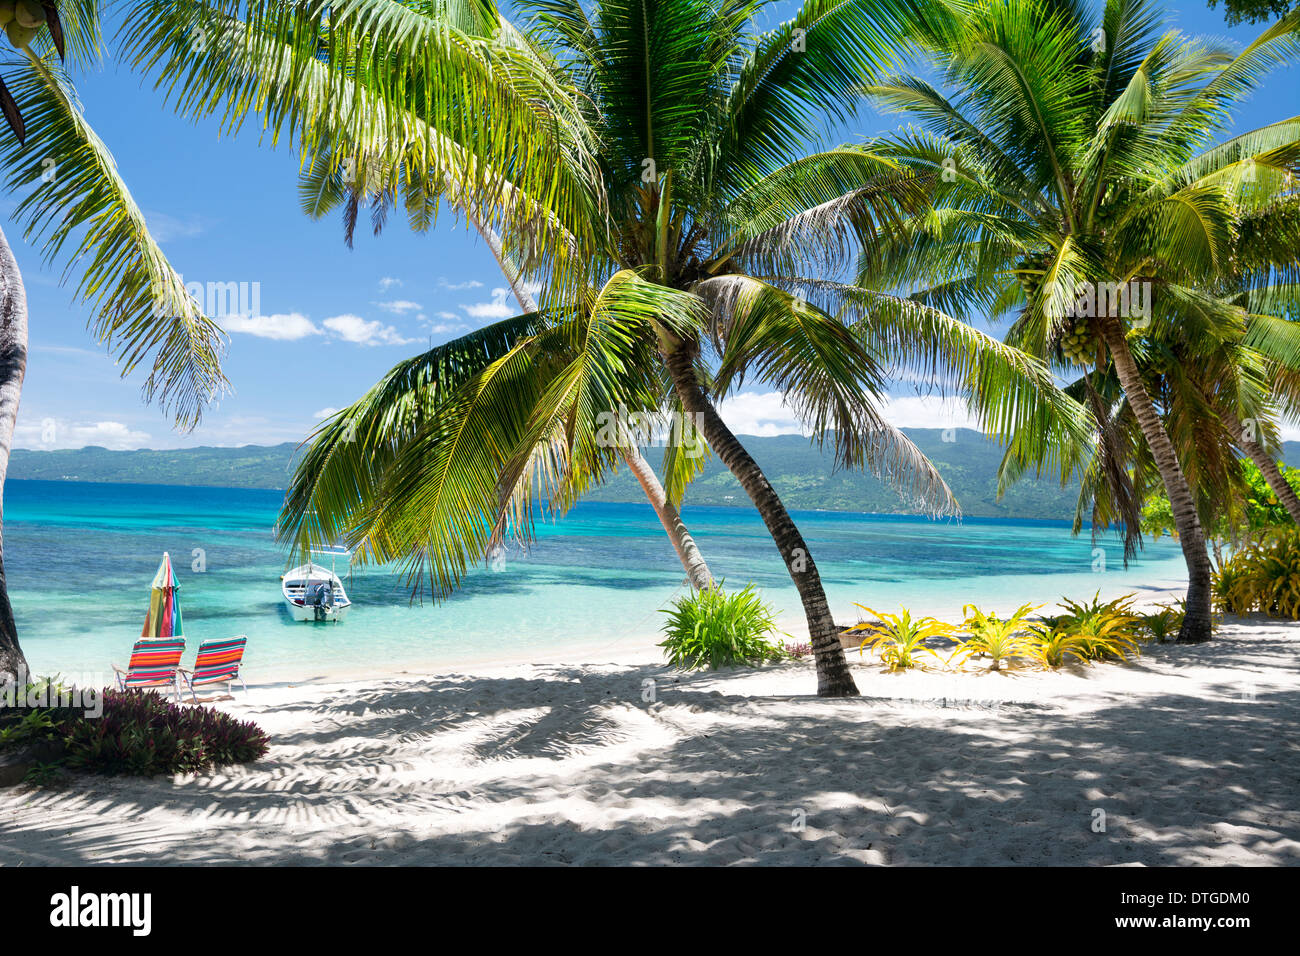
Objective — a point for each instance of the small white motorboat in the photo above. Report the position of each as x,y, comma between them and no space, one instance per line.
314,592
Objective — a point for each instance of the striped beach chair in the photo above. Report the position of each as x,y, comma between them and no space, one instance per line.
153,664
218,663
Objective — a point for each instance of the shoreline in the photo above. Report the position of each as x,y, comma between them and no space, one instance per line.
638,646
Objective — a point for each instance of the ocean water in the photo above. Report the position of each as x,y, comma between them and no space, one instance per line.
80,558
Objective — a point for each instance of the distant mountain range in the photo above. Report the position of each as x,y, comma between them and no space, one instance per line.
801,473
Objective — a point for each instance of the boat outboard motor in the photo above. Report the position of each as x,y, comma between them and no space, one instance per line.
319,596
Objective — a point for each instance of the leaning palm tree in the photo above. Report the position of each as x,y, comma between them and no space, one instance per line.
1079,184
1195,390
76,208
649,163
1215,393
323,191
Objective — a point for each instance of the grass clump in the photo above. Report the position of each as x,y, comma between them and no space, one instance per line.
719,628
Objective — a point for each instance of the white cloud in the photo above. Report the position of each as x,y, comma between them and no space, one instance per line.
388,282
283,327
758,413
498,308
928,411
459,286
399,306
450,316
165,228
446,329
50,433
355,329
765,414
323,413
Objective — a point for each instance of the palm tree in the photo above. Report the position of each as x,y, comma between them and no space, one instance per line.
649,162
1218,393
1076,166
79,210
324,191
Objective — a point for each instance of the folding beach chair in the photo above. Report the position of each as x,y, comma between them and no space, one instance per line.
153,664
218,663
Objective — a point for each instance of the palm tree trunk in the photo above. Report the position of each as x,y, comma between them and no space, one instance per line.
1196,622
833,676
692,560
683,543
13,366
1266,465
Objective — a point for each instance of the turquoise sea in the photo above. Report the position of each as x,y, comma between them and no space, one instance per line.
80,558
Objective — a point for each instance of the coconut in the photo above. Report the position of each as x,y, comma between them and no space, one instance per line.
6,11
29,13
20,35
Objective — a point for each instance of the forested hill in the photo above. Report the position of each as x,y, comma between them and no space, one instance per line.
802,474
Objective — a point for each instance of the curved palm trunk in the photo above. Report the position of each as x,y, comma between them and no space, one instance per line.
692,560
13,366
833,676
1196,622
1266,465
683,543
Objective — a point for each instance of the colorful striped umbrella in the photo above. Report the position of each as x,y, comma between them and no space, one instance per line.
164,618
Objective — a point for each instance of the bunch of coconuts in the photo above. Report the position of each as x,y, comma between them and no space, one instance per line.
1078,345
22,20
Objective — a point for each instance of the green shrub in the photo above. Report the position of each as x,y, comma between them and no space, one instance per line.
1163,623
1263,577
1232,587
717,628
138,732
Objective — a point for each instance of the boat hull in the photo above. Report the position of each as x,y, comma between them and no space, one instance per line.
295,587
301,612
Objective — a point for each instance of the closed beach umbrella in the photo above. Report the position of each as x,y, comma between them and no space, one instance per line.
164,618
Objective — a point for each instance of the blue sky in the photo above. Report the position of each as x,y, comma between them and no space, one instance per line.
333,320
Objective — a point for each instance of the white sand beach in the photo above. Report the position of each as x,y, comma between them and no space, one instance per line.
1189,752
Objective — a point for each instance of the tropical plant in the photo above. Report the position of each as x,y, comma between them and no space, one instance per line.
135,732
369,416
1162,624
1001,640
1103,630
141,733
1263,512
898,640
717,628
1080,186
797,651
84,215
1264,577
1050,647
650,165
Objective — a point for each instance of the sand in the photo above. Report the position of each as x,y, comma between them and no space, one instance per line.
1188,756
